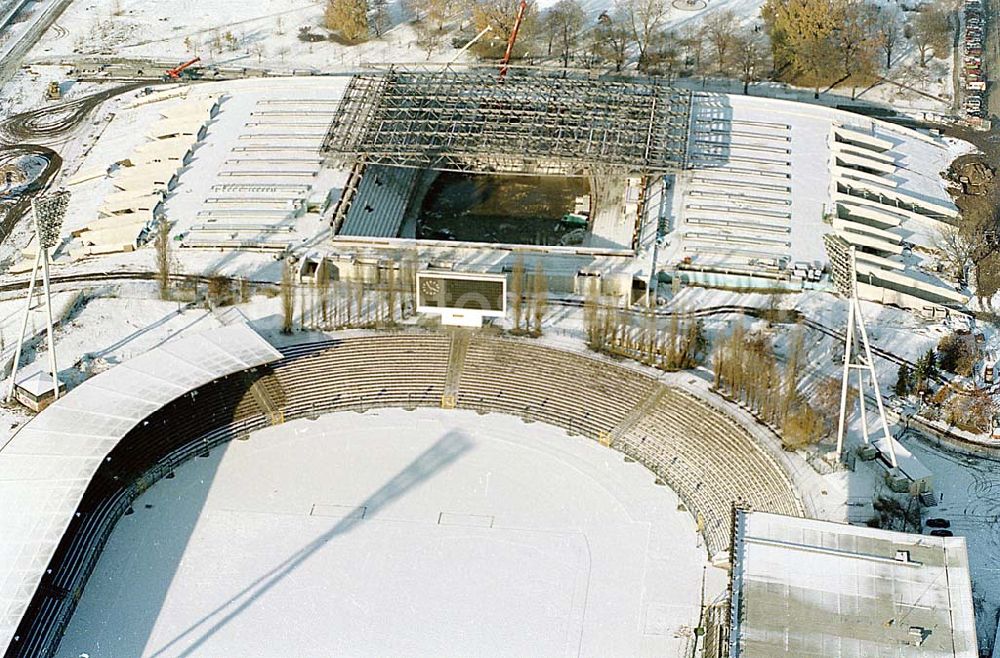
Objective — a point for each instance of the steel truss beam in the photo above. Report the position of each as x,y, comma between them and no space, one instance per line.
531,122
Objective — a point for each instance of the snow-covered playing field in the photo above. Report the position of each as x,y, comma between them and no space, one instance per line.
395,533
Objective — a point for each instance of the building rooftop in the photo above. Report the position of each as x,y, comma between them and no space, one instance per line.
803,587
46,467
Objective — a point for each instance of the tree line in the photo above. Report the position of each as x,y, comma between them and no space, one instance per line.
748,370
617,331
972,409
819,43
327,303
824,43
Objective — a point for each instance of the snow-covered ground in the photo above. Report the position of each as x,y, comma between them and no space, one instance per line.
969,491
266,34
399,533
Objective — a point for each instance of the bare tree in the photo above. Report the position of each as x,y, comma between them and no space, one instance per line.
691,40
612,38
541,296
164,258
517,291
500,16
888,28
380,16
429,37
360,310
956,248
323,289
803,426
858,39
591,312
390,296
719,29
433,12
931,33
564,22
645,19
664,55
793,370
750,55
287,297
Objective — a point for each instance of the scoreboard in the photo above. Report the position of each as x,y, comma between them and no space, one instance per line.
462,298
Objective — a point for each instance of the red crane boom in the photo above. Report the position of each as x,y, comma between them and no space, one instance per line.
175,73
513,37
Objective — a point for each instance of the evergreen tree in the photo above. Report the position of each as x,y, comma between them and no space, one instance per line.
902,387
926,369
931,364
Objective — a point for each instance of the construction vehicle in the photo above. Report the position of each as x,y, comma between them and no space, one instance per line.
176,72
574,220
53,93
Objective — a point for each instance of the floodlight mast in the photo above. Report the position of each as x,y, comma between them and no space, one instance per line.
48,212
24,326
854,361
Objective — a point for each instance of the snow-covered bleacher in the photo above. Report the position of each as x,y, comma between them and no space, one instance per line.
689,445
706,457
740,194
266,180
136,422
876,215
149,173
48,466
768,180
379,205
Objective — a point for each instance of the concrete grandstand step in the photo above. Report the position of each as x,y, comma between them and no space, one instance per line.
456,363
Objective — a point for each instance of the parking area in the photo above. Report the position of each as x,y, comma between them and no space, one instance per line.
973,72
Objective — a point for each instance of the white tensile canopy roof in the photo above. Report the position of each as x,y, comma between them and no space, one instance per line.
172,148
180,125
46,466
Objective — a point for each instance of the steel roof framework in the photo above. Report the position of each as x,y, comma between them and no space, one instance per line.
532,122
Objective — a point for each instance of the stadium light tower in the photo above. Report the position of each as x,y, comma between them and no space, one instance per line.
858,356
48,212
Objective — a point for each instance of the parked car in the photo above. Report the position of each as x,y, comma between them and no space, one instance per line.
938,523
941,533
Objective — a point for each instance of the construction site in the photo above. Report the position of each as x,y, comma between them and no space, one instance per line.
313,345
411,131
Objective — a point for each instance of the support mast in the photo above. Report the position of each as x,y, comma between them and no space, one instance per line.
858,356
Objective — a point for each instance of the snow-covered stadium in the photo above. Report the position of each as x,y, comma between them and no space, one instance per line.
433,491
402,530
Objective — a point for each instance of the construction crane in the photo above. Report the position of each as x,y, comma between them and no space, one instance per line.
513,37
175,73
